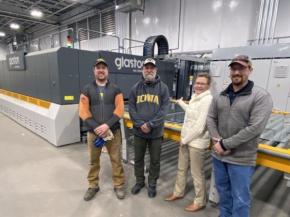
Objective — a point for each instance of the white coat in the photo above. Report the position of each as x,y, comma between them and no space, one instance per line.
194,132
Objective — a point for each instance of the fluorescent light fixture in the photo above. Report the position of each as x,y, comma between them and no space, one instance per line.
36,13
233,4
156,20
216,5
146,20
2,34
14,26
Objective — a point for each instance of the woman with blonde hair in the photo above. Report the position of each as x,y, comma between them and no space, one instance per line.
194,142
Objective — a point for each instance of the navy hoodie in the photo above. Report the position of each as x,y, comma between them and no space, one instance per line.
149,103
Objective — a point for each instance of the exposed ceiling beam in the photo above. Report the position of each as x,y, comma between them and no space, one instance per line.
68,6
25,18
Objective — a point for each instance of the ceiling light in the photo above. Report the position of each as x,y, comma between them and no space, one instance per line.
146,20
14,26
216,5
36,13
2,34
233,4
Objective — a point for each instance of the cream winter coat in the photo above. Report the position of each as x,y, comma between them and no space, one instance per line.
194,132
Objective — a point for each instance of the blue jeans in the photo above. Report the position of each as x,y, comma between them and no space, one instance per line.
233,185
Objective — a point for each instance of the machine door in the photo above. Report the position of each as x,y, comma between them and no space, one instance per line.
279,83
261,72
219,72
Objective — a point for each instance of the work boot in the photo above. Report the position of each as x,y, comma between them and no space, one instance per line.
120,192
137,188
90,193
152,191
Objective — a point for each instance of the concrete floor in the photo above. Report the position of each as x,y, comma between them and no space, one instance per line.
40,180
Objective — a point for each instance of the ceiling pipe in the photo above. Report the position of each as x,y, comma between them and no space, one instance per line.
274,21
262,3
264,22
269,22
23,17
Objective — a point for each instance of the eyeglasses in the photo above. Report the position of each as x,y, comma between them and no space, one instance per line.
202,84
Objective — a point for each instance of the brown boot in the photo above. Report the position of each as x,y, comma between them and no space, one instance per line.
172,197
193,207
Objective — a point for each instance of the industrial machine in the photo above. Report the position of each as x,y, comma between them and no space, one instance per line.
271,65
40,90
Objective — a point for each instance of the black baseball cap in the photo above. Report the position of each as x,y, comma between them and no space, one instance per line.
101,61
243,60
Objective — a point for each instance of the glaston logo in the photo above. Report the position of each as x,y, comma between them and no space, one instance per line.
14,60
122,62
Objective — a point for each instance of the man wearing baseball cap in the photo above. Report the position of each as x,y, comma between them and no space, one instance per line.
148,105
101,107
236,119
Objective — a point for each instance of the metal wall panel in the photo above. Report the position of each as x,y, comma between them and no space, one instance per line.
3,51
279,82
41,76
261,72
205,24
122,24
94,24
52,60
108,22
218,69
68,75
159,17
283,24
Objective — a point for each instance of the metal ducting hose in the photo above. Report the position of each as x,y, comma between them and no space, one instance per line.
162,43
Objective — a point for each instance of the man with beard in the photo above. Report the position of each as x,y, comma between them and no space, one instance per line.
236,118
101,107
148,105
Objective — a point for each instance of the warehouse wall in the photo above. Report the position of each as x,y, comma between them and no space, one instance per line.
3,51
283,24
205,24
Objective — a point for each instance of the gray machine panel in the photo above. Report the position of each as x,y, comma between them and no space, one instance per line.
125,70
58,74
52,59
255,52
16,61
68,72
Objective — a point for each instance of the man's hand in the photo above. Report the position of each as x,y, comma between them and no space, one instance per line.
102,130
145,129
217,147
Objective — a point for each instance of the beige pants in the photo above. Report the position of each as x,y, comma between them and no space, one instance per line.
114,151
193,159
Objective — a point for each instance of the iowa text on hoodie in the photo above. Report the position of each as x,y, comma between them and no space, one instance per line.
148,103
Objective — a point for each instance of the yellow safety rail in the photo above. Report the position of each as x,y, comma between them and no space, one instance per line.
268,156
29,99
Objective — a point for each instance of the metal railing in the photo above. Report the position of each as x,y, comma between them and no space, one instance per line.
128,49
52,40
105,41
274,40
